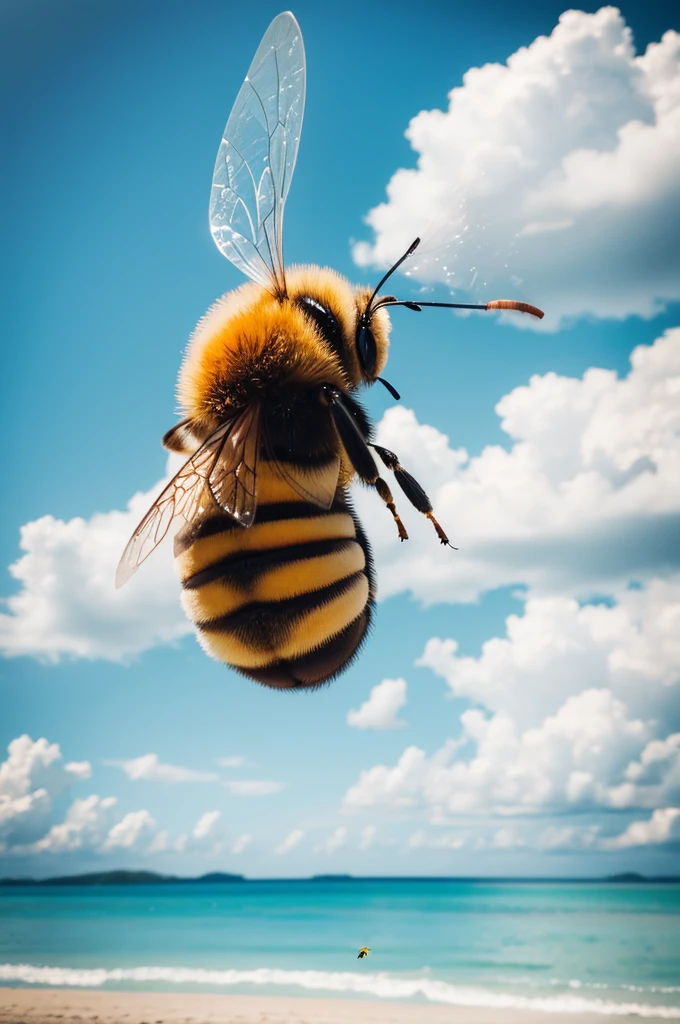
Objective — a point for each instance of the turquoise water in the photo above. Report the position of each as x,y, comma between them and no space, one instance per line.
559,946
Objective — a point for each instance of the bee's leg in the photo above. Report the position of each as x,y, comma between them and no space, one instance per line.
358,452
386,495
412,489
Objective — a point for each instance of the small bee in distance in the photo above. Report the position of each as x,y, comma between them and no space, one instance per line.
364,951
276,570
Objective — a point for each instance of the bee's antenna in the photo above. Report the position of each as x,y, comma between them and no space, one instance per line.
411,249
520,307
388,300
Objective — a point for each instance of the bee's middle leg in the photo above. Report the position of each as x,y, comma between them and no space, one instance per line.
356,446
412,489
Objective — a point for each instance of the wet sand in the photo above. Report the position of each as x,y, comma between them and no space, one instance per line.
67,1006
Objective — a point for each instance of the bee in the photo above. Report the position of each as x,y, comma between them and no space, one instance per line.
276,570
363,952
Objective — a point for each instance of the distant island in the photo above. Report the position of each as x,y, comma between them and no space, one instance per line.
123,878
220,878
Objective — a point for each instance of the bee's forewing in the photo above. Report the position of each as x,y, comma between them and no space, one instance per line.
223,470
257,155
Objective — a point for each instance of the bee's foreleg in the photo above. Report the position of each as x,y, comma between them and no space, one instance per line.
359,453
412,489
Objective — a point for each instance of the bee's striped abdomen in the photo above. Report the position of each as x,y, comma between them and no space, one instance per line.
287,601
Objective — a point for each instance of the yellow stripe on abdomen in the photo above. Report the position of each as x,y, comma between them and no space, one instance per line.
281,642
212,600
208,550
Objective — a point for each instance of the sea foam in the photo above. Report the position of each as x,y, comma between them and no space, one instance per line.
381,985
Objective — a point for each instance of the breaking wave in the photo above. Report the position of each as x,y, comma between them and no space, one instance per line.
381,985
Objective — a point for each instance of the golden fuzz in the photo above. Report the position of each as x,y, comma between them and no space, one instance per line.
250,339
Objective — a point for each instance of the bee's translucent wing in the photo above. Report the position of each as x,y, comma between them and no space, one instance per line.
256,158
233,479
223,470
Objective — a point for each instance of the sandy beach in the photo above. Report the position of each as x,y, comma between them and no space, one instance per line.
67,1006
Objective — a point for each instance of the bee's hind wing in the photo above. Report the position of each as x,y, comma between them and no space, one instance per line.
223,470
257,155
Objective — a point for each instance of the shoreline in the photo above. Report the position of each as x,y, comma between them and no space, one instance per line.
68,1006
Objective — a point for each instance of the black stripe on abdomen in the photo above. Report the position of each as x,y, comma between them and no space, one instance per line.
287,602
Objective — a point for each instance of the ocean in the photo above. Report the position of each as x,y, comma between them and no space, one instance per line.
562,947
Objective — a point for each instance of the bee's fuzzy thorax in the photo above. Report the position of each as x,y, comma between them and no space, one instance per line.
247,343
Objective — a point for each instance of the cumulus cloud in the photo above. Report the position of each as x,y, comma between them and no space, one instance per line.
557,648
67,605
87,826
368,836
333,843
662,827
556,177
586,498
150,768
254,787
421,839
30,779
130,832
576,710
290,842
241,843
206,825
381,709
567,838
207,838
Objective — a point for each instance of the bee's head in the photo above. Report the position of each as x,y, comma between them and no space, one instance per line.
356,336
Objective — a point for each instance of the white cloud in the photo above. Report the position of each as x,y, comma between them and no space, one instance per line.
130,833
67,605
575,758
586,498
206,825
503,839
561,838
662,827
444,841
290,842
578,707
557,648
557,177
241,843
231,762
150,768
254,787
382,707
87,826
368,834
31,777
160,843
337,839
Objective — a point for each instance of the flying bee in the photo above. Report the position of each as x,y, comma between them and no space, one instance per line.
276,570
363,952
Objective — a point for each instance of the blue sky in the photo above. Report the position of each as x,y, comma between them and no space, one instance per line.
564,506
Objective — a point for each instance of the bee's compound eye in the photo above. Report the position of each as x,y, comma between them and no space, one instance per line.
366,349
324,320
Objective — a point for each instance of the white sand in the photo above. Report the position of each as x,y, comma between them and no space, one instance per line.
66,1006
